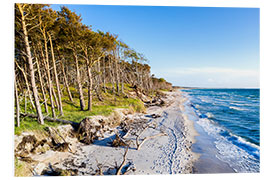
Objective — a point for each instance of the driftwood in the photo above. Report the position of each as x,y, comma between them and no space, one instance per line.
74,124
137,128
139,145
118,172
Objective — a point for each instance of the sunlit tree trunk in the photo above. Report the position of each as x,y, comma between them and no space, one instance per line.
42,86
31,67
17,103
47,68
66,82
78,76
27,85
56,78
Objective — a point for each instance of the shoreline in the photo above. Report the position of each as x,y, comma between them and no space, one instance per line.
222,150
205,147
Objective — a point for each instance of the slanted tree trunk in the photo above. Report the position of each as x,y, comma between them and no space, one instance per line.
47,68
104,74
98,78
46,64
17,103
117,72
31,67
56,78
66,83
90,85
82,105
55,98
42,87
27,85
90,81
25,103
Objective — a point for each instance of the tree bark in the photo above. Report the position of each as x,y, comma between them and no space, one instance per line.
56,78
47,67
17,103
82,105
55,98
104,74
31,68
90,81
27,85
42,87
66,83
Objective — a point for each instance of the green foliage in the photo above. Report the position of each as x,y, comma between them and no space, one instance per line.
162,80
30,124
86,58
72,111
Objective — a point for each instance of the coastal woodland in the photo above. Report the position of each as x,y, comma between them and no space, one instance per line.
65,71
59,61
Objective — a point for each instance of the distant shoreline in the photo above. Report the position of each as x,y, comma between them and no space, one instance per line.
183,87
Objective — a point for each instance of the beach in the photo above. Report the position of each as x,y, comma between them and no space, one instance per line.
173,140
170,153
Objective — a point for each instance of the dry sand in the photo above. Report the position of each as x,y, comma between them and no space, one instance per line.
169,154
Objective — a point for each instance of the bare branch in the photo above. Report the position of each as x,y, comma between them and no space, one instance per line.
147,138
118,172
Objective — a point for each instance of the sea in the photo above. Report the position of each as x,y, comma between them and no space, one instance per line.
228,123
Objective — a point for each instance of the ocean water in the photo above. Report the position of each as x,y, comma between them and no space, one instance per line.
231,117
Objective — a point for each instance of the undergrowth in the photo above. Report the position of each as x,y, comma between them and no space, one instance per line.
72,111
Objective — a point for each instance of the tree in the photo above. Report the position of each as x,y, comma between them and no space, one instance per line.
70,28
23,8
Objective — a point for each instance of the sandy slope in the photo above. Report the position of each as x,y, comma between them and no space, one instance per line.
162,155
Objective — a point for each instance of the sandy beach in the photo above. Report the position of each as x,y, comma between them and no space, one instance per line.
169,154
166,154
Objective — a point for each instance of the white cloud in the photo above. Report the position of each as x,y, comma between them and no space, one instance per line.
212,70
211,77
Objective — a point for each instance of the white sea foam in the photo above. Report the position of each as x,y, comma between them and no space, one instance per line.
237,108
209,115
239,159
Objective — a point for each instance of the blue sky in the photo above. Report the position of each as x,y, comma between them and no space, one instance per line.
188,46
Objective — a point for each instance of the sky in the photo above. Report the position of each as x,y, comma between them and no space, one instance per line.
188,46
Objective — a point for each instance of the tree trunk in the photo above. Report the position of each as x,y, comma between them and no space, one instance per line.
117,76
31,68
42,87
122,82
90,81
89,88
27,85
66,83
55,98
112,74
104,74
17,103
56,78
47,67
82,105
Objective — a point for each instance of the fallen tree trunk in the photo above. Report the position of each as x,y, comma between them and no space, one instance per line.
74,124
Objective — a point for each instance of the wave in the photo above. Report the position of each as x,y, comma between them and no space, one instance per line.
243,155
237,108
240,154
